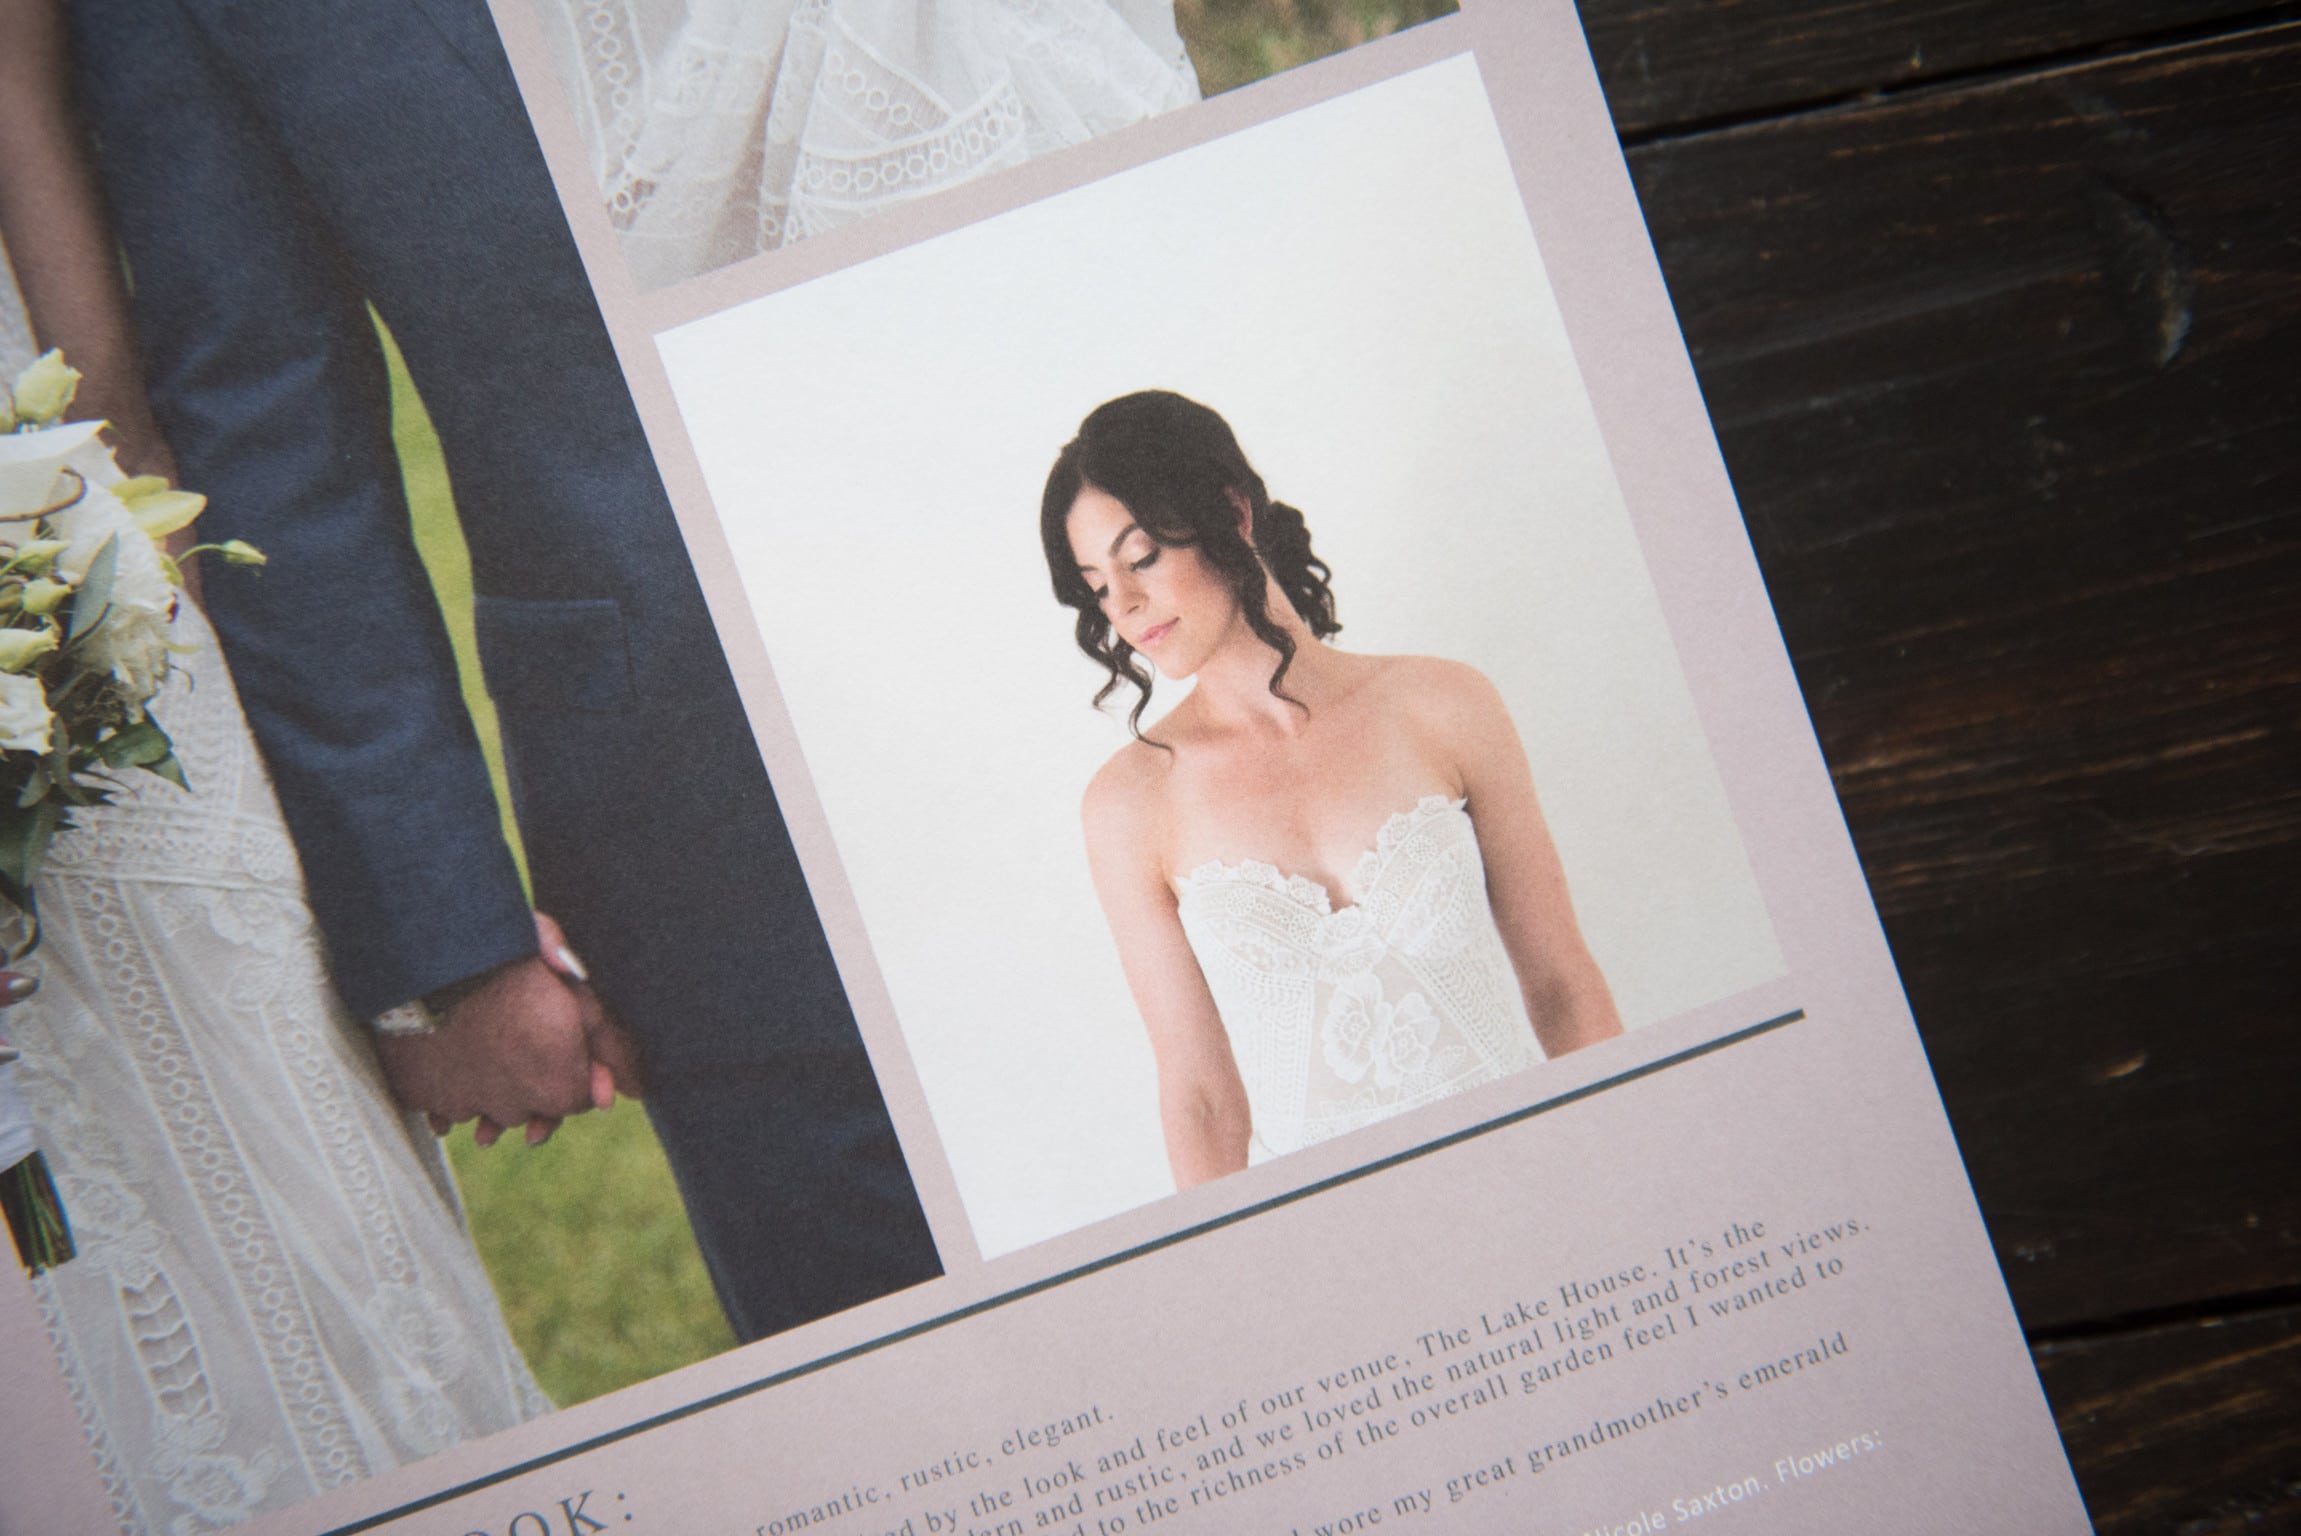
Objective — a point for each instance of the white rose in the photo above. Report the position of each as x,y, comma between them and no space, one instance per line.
132,641
24,716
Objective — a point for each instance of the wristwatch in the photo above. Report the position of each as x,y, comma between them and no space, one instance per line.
410,1018
422,1015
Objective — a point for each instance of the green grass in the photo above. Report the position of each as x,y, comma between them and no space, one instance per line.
590,1253
1235,42
584,1237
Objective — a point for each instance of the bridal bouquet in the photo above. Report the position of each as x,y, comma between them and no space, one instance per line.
86,593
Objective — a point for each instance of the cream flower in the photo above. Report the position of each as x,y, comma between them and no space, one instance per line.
132,641
19,648
34,556
45,389
24,717
45,596
158,508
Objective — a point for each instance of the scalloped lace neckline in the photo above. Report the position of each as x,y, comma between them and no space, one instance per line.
1309,892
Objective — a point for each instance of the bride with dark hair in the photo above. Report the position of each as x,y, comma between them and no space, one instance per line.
1332,889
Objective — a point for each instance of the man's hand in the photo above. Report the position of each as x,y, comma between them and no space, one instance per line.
519,1048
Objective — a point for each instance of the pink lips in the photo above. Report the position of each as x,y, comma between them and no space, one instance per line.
1153,635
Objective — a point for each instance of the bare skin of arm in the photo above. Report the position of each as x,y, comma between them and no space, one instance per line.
1566,994
1202,1100
58,238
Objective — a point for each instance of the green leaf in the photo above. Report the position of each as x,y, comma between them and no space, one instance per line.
34,787
15,826
171,770
24,838
135,746
95,594
47,820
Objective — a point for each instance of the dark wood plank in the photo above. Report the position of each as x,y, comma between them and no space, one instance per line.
1668,62
2006,377
2193,1428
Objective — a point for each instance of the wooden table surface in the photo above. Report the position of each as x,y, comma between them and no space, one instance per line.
1997,308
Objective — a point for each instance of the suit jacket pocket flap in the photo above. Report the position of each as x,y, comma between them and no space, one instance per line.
556,655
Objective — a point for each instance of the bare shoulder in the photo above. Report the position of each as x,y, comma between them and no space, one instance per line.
1453,713
1448,695
1124,806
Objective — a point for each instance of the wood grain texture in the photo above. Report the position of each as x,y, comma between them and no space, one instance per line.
2006,377
2193,1428
1670,62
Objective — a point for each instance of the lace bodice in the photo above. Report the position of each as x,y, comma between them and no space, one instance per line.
1339,1018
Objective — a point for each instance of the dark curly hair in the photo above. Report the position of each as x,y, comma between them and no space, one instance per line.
1173,464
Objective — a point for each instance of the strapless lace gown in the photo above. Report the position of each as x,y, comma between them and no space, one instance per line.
1339,1018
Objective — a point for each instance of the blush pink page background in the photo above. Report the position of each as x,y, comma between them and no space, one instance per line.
1830,1116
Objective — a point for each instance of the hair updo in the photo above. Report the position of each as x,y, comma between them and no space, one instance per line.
1173,464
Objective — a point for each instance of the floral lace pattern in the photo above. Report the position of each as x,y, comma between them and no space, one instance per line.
275,1293
722,128
1339,1018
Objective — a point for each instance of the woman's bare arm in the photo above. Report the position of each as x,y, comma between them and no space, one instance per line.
59,241
1566,995
1202,1100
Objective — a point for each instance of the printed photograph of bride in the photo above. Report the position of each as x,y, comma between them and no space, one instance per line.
1398,808
1402,931
718,131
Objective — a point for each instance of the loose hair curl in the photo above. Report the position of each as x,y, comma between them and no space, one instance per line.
1173,464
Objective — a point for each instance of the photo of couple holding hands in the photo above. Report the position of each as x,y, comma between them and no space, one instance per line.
255,997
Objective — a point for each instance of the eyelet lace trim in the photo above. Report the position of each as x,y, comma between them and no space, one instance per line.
720,132
275,1294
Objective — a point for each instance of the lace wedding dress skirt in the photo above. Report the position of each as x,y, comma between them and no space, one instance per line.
275,1292
722,128
1341,1017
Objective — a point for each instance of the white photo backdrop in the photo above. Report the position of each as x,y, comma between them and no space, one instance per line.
1356,288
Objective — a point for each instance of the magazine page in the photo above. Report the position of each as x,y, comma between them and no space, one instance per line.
1143,695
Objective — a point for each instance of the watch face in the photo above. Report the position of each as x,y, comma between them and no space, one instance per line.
411,1018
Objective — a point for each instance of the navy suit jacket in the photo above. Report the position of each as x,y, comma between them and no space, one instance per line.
275,167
